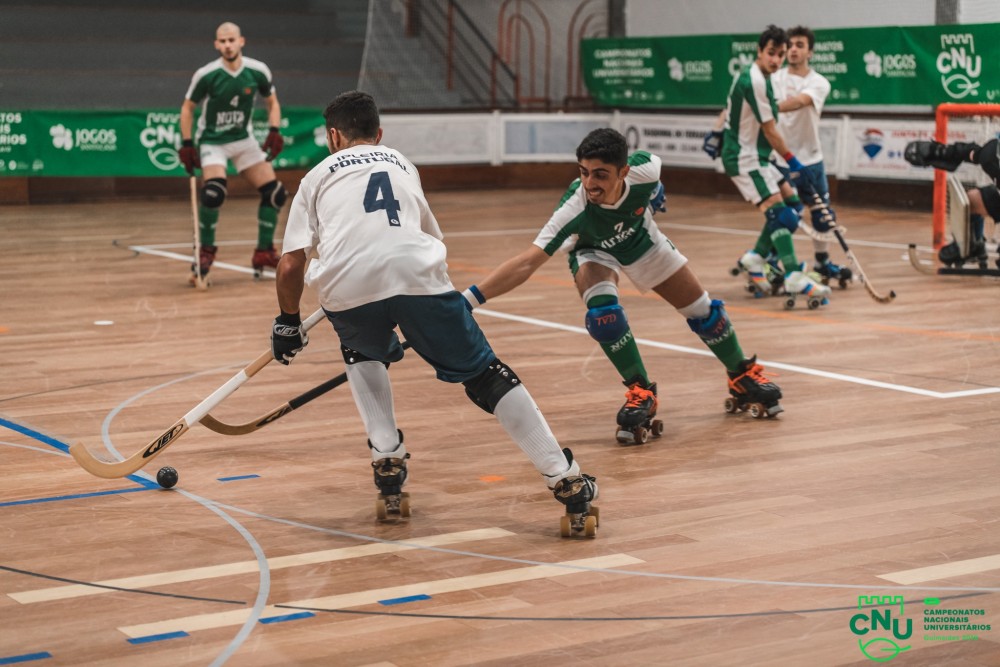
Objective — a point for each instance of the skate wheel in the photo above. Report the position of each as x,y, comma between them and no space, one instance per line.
757,411
640,435
590,526
623,437
731,405
657,428
380,510
596,513
735,271
813,303
565,527
404,505
789,303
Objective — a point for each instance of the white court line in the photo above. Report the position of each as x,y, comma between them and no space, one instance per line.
150,250
772,364
944,571
246,567
373,596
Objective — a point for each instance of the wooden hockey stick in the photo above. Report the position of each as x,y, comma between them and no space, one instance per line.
199,280
214,424
837,232
101,467
931,270
918,264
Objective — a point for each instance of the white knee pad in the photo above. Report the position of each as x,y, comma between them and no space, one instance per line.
698,309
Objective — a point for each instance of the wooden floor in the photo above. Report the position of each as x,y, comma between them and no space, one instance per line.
728,541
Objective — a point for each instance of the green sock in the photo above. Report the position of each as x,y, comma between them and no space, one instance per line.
623,353
764,244
207,219
782,239
726,347
267,220
793,202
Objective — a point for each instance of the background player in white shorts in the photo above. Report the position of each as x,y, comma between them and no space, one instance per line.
381,264
749,136
226,89
607,217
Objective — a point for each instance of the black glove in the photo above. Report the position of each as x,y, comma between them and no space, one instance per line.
189,156
712,144
273,144
287,337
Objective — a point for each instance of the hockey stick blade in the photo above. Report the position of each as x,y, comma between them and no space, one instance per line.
872,292
274,415
948,270
918,264
100,467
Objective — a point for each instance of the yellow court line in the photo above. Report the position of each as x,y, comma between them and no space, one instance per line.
944,571
373,596
250,566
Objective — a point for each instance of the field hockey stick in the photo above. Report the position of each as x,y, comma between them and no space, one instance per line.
214,424
101,467
199,280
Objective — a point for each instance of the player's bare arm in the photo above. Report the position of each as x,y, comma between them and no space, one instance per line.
290,277
513,272
800,101
770,130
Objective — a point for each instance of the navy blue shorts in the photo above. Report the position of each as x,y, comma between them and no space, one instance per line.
440,328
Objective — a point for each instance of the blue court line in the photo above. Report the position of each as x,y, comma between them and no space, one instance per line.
237,477
286,617
158,638
144,484
409,598
27,657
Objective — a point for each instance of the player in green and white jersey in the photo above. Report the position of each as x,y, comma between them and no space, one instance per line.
225,89
605,220
750,134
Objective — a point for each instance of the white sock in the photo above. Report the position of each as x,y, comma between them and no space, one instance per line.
369,381
524,423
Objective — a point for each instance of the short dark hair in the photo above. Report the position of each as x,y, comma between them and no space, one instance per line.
802,31
772,34
354,114
606,145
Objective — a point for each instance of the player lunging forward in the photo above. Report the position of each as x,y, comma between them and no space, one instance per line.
381,264
226,89
606,216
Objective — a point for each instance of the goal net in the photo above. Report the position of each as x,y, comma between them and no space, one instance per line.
968,123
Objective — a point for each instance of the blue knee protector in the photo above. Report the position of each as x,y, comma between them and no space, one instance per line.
715,327
779,217
606,324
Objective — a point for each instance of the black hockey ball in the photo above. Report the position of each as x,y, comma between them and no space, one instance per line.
166,477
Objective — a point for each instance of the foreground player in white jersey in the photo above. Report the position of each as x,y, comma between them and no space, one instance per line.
801,92
226,88
606,217
749,136
381,264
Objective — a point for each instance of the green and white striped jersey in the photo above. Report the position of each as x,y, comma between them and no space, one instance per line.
228,99
751,104
624,229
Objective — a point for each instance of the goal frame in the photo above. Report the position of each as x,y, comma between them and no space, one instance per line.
941,115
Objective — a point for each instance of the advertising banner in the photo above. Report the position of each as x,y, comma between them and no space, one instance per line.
873,67
130,143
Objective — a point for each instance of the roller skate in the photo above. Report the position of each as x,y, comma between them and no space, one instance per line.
206,257
390,475
828,271
799,283
264,258
635,418
750,390
576,492
764,277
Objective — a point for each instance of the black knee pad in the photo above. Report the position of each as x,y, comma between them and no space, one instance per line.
213,193
273,194
487,388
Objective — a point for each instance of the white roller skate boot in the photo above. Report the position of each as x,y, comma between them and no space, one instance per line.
799,283
756,268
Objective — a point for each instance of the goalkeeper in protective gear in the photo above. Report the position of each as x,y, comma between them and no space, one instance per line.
983,201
